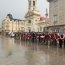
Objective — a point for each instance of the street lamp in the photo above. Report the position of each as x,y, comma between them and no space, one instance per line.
46,19
12,26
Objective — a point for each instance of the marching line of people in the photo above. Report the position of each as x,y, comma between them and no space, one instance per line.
52,39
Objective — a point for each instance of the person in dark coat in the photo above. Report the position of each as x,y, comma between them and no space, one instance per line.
64,41
60,41
33,37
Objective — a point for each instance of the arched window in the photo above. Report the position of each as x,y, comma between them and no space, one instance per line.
29,3
29,21
29,29
33,3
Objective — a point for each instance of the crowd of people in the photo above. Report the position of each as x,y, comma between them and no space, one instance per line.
53,39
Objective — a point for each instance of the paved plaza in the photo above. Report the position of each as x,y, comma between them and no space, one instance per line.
17,52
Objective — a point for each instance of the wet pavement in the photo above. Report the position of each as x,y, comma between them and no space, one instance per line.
16,52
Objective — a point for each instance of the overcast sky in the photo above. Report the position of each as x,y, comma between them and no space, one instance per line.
18,8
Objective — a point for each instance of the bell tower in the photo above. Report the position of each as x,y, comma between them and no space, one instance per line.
32,17
31,5
32,10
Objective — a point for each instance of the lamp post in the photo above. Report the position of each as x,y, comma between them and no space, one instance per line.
18,26
12,26
46,19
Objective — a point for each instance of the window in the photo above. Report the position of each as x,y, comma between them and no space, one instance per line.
29,29
33,3
56,30
55,19
29,3
29,21
40,28
55,0
35,20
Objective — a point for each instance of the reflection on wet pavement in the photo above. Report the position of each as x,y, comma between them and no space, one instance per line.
16,52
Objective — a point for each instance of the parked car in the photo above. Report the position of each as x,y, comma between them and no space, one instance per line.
12,34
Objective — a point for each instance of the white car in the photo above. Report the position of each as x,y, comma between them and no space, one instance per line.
12,34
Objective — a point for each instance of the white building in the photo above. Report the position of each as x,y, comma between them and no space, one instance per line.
32,17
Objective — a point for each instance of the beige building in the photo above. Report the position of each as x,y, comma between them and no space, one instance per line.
42,24
32,22
57,15
9,24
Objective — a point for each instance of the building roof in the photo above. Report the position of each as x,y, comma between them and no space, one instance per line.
16,19
11,18
42,18
31,13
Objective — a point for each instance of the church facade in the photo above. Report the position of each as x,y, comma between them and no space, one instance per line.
32,22
32,17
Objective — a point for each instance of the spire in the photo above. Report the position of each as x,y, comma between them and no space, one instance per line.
46,13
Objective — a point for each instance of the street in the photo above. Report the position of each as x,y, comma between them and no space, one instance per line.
17,52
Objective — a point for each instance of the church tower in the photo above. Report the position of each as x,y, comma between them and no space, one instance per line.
32,4
32,17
